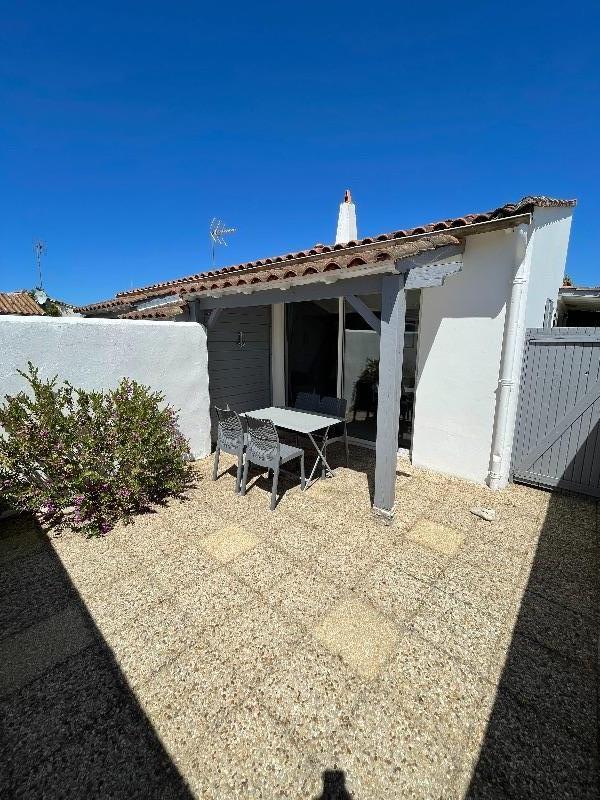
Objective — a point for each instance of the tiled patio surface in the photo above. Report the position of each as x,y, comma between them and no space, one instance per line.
217,650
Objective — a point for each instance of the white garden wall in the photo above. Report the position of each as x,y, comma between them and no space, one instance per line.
96,353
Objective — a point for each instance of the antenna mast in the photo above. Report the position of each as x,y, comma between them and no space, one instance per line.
39,248
218,231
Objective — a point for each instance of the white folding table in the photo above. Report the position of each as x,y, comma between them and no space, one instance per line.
306,422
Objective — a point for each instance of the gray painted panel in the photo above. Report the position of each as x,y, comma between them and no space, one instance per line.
557,436
240,376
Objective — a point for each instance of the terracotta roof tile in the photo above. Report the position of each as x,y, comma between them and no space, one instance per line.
212,279
20,303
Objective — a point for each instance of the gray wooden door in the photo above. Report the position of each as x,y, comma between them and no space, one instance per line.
557,439
239,360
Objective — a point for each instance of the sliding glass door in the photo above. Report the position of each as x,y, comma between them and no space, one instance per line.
322,360
312,362
361,371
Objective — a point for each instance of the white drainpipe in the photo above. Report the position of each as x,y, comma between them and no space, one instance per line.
510,366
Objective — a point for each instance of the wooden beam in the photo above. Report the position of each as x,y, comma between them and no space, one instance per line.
213,317
393,314
365,284
363,309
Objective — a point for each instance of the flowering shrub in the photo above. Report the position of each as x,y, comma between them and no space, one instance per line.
87,459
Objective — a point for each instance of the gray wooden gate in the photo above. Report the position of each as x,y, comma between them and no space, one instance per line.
557,439
239,360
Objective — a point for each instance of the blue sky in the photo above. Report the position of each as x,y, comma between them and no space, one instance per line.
124,127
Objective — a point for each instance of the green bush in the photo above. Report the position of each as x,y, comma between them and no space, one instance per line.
87,459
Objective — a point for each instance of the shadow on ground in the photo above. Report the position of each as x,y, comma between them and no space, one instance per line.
542,737
70,726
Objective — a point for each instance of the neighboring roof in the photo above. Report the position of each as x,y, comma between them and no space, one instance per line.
288,265
19,303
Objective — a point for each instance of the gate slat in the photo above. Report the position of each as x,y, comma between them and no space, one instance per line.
575,432
561,403
570,402
549,405
587,419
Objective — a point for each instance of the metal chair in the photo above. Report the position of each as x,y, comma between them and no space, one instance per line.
336,407
307,401
265,450
231,438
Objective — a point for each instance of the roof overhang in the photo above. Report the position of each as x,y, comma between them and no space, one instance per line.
423,270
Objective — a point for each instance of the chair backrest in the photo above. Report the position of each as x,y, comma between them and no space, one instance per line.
263,442
307,401
334,406
231,432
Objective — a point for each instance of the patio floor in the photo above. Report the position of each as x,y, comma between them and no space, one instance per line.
214,649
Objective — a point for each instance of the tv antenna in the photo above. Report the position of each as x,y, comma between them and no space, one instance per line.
39,248
218,231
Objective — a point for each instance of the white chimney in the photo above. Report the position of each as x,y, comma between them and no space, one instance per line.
346,227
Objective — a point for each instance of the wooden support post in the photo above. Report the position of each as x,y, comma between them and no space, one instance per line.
393,313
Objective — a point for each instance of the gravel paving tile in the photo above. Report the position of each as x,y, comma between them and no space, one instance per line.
492,557
558,628
418,561
552,683
465,632
422,675
529,501
228,662
26,656
144,647
490,591
81,693
20,609
529,756
521,536
565,589
395,593
218,592
391,752
262,568
41,569
312,693
125,601
567,557
576,510
250,755
303,595
183,565
123,759
359,634
347,565
92,574
228,542
441,539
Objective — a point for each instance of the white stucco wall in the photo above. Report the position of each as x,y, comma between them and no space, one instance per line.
459,346
96,353
551,230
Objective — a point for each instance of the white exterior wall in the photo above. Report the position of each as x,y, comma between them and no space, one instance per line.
458,361
170,357
551,230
